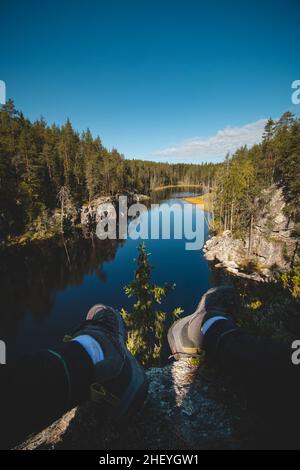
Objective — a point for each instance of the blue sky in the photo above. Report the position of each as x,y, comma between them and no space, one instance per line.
162,80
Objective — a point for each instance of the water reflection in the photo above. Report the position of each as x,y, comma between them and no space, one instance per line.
31,275
46,288
173,193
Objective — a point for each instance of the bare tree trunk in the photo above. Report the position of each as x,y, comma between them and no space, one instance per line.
250,235
66,250
62,216
231,215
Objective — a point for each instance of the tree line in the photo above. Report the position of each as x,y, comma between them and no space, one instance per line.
240,180
41,163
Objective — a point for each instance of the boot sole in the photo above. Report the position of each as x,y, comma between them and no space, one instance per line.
136,394
137,390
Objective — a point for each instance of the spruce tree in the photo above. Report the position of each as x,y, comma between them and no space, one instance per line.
146,321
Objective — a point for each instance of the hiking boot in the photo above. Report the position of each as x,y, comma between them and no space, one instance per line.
120,383
185,336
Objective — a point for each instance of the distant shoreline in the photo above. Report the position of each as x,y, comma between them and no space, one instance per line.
204,200
181,185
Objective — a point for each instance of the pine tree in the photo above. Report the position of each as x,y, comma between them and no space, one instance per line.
146,321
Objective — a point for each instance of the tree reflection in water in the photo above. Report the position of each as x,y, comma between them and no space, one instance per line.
31,275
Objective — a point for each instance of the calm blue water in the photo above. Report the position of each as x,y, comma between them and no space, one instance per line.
45,296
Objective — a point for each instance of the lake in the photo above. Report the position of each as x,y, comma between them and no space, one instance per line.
46,288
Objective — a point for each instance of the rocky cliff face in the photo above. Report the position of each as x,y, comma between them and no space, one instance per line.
273,246
184,410
89,212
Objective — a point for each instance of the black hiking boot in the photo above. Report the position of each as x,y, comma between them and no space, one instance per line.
185,337
120,385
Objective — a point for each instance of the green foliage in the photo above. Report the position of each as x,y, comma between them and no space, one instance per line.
147,322
251,265
240,180
37,161
291,281
271,309
255,304
235,191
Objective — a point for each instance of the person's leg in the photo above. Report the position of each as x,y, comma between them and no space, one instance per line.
264,370
94,363
261,366
39,388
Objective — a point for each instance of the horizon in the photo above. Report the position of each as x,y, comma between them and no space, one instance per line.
95,136
186,84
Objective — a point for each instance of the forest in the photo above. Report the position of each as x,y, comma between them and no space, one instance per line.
40,163
239,182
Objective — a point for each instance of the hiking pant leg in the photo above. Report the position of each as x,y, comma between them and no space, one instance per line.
39,388
264,369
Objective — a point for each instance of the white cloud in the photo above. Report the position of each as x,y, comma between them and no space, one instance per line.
217,146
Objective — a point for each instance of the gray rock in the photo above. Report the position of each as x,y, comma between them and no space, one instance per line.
273,245
183,411
90,214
